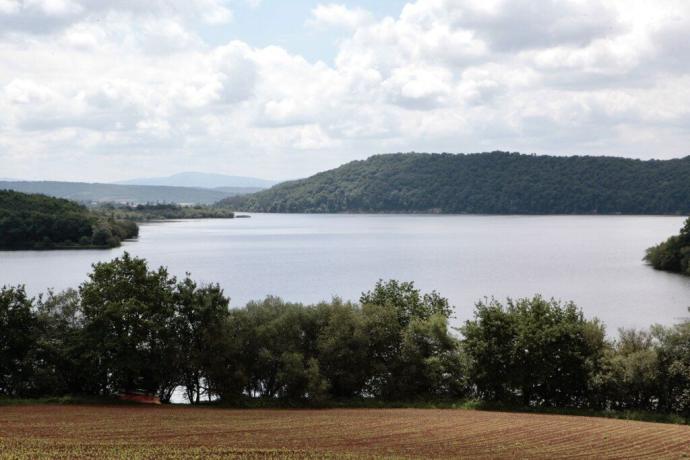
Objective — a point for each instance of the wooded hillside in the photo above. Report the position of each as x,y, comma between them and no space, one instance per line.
487,183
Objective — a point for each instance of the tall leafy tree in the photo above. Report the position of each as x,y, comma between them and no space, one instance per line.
534,351
201,324
674,367
129,325
408,335
61,348
19,333
343,347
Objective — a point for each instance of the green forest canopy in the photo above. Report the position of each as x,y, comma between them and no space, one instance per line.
32,221
486,183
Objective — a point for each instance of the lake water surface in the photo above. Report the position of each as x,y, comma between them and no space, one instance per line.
595,261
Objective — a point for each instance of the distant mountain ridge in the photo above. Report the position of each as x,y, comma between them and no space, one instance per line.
484,183
135,194
202,180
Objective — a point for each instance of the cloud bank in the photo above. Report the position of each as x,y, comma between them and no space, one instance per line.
104,90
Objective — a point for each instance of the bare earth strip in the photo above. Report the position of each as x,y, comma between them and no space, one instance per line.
44,431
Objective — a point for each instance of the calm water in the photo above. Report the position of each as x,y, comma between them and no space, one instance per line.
595,261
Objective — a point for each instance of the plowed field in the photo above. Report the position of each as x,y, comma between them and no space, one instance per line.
45,431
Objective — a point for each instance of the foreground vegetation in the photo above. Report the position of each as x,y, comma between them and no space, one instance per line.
149,212
42,432
488,183
41,222
132,328
672,255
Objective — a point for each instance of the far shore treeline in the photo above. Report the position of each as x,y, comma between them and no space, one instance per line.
130,327
484,183
34,221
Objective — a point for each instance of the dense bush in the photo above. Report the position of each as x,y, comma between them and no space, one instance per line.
487,183
534,351
41,222
132,328
672,255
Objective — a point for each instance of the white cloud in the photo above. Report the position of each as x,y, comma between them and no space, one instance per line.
338,15
55,7
217,14
106,87
419,87
41,17
8,7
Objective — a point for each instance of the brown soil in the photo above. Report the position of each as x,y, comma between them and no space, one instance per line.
45,431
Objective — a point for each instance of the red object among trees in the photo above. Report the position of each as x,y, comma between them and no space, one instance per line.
140,397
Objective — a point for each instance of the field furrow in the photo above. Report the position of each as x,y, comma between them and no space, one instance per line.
111,432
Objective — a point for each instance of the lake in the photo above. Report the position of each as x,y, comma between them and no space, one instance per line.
595,261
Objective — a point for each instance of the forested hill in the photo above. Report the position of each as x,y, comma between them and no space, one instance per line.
485,183
41,222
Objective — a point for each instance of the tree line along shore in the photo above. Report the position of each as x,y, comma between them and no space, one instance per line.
132,328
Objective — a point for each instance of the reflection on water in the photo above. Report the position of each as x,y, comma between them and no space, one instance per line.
593,260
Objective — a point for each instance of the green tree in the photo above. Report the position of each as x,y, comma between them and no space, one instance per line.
343,349
201,324
629,377
129,325
61,347
673,354
489,343
408,336
432,362
407,301
230,366
279,343
18,337
535,351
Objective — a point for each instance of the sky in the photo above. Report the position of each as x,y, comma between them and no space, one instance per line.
103,91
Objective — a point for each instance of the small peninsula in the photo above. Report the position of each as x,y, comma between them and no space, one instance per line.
672,255
33,221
